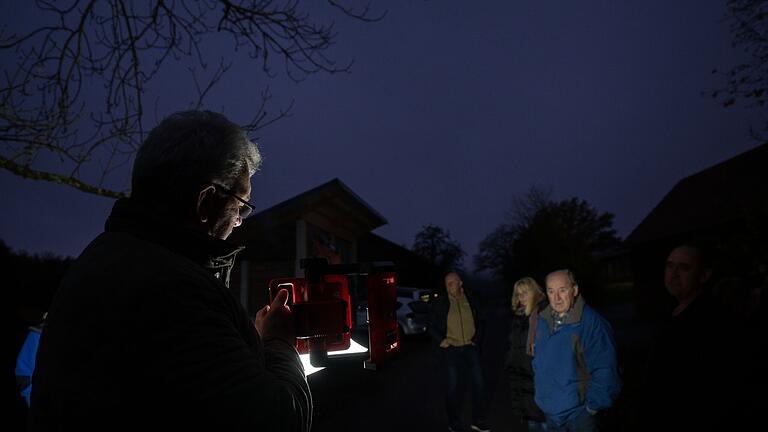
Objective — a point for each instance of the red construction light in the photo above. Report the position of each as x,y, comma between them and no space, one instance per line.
384,337
322,314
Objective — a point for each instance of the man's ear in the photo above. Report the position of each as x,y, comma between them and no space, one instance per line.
205,203
705,275
575,290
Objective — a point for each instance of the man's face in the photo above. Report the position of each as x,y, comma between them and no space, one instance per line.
561,293
684,275
453,284
229,216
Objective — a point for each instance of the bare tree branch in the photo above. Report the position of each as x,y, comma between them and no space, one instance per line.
747,82
27,172
117,47
365,15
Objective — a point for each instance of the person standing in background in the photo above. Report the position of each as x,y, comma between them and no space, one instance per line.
457,331
527,301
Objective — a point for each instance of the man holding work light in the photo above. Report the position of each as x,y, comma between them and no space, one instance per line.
144,330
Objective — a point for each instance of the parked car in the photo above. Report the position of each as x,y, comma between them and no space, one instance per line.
421,294
412,316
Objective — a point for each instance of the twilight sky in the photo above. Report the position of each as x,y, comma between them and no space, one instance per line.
453,108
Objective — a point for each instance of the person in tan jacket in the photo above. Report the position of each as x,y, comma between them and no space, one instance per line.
458,332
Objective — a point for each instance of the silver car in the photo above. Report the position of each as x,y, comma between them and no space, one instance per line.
422,294
412,316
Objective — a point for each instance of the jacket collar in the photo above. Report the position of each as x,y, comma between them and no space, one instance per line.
135,217
574,315
460,298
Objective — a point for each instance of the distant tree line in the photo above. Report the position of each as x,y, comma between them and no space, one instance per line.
541,235
30,281
538,235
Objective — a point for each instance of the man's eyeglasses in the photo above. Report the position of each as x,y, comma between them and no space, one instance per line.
247,207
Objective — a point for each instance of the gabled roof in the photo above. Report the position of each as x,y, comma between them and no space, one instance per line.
331,201
712,198
412,269
373,247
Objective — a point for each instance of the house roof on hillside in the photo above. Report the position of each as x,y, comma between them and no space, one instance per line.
711,198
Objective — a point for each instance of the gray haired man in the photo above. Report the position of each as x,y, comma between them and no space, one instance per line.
144,330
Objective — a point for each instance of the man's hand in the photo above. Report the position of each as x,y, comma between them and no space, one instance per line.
275,320
444,343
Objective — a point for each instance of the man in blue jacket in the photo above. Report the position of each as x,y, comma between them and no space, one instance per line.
575,374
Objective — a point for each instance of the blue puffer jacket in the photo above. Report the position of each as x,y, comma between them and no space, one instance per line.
574,366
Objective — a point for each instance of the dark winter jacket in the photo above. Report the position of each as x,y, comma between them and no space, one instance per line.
690,367
517,365
145,334
575,366
438,327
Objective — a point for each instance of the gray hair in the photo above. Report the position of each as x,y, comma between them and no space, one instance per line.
563,272
188,149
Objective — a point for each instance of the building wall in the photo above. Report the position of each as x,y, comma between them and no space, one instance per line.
277,253
259,273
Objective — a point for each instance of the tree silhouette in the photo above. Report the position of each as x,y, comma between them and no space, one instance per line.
544,235
117,47
436,245
747,82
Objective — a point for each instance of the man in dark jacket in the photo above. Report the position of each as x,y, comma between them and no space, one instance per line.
144,331
692,357
455,327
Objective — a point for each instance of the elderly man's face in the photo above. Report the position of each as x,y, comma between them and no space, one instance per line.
229,216
684,274
453,284
561,293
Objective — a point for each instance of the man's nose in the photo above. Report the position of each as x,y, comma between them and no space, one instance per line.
238,221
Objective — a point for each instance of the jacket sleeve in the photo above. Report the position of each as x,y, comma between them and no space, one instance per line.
600,358
479,319
25,364
207,354
437,324
283,362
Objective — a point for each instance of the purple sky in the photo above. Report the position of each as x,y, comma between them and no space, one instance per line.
453,108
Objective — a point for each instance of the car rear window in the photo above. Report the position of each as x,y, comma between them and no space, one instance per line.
419,307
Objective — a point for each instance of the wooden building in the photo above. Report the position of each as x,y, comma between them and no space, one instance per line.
328,221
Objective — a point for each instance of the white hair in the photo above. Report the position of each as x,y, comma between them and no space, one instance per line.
563,272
